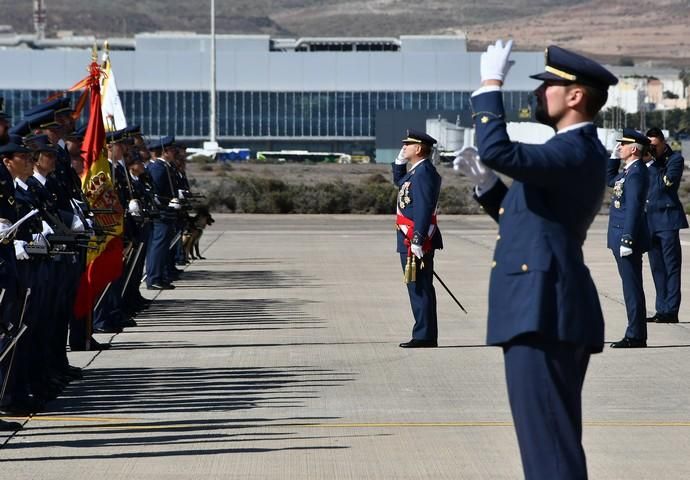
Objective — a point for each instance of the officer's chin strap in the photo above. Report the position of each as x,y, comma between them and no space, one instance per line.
19,328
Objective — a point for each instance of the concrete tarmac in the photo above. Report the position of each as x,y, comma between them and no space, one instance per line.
277,358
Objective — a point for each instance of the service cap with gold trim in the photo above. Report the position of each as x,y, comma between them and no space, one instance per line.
414,136
9,149
57,105
565,66
42,120
630,135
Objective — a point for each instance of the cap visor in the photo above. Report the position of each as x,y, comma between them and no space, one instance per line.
546,76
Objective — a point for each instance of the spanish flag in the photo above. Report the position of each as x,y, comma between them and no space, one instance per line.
105,255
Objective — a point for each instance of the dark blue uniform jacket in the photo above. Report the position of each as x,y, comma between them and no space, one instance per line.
539,282
418,194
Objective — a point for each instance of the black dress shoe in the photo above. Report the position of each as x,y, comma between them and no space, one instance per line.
666,318
160,286
652,319
22,408
128,322
10,426
419,344
107,330
628,342
75,372
95,346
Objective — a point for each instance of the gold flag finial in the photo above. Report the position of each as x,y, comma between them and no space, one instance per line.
94,52
106,47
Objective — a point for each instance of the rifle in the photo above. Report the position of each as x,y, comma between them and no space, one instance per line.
14,342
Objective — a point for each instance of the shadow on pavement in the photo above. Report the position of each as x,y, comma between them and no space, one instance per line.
244,279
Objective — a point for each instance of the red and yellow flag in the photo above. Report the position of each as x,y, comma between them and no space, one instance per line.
105,259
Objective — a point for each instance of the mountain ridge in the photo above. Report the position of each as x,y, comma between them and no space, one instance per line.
610,31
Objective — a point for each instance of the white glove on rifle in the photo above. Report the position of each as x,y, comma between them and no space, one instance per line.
175,204
469,164
47,230
20,251
495,62
134,208
625,251
400,159
417,250
182,194
77,224
38,240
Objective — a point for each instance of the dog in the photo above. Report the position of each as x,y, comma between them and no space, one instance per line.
193,232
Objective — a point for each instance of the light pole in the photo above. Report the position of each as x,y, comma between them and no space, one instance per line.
212,96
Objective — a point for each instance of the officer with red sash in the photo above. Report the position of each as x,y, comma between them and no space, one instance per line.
418,233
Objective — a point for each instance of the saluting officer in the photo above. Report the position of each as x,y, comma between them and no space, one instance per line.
418,234
543,306
665,218
628,237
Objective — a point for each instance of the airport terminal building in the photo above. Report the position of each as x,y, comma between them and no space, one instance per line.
354,95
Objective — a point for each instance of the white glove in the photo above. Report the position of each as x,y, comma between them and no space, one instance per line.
182,194
494,63
38,240
89,223
400,159
5,226
469,164
19,250
77,224
625,251
417,250
47,230
134,207
616,153
175,204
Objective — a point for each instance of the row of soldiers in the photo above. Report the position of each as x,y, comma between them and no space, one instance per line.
47,228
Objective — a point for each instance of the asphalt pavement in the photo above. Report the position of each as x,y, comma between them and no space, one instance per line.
277,358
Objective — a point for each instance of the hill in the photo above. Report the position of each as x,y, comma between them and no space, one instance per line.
609,30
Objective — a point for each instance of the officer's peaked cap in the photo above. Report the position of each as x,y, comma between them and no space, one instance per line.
566,66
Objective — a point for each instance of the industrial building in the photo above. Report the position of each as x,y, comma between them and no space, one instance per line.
354,95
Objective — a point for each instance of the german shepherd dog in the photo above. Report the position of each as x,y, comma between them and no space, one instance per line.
193,232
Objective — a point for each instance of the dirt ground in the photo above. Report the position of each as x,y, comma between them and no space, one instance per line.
301,173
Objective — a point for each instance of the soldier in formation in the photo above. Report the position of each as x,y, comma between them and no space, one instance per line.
46,229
